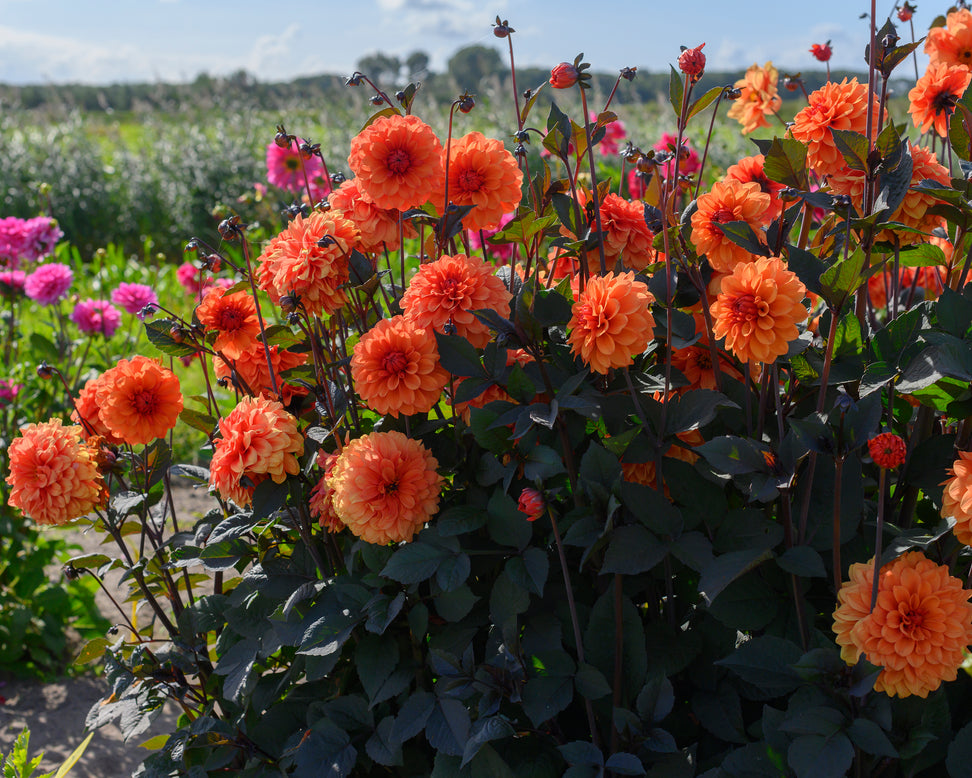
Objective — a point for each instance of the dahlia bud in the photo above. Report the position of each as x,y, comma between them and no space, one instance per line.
628,74
337,179
178,334
377,99
354,79
45,371
282,139
692,62
531,503
564,76
887,450
822,51
905,12
502,29
466,103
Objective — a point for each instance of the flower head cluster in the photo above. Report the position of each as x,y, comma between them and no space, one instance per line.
611,321
614,133
138,400
258,440
233,316
321,502
957,497
54,475
398,162
759,97
485,175
914,209
758,309
444,294
918,630
249,373
377,227
284,169
951,44
887,450
727,201
834,106
48,283
96,317
27,240
386,487
396,368
626,233
309,259
134,298
934,97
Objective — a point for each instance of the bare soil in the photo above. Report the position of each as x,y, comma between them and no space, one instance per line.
55,712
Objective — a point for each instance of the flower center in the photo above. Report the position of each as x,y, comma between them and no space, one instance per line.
229,319
394,362
723,215
399,162
911,619
747,307
292,163
470,180
944,102
145,402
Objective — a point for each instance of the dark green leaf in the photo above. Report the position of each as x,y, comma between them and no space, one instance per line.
959,760
415,562
802,561
457,356
870,738
591,683
676,91
786,163
764,662
448,725
621,763
159,335
853,147
632,550
704,102
816,756
742,234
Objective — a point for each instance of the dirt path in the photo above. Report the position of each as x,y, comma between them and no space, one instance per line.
55,712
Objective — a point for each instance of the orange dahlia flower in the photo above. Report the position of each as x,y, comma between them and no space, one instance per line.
626,232
385,487
54,474
695,361
398,162
834,106
484,174
758,309
951,44
759,97
728,201
253,374
957,497
914,209
396,368
233,316
139,400
87,413
258,439
447,291
321,503
918,630
377,227
309,259
750,170
611,321
934,97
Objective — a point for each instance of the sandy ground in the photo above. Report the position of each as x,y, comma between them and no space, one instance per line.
55,712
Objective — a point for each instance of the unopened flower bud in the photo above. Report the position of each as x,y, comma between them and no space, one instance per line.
531,503
353,80
692,62
466,103
377,99
338,178
628,74
564,76
177,333
502,29
905,12
282,139
289,303
45,371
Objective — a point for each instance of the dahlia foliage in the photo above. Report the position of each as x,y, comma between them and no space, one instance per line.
594,461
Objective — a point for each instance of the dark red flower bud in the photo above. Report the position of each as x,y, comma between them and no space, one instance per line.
822,51
692,62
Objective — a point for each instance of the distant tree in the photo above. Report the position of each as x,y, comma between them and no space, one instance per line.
380,67
417,65
471,64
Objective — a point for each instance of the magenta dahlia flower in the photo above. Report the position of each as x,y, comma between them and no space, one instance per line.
27,240
48,283
94,316
8,391
12,283
134,297
284,171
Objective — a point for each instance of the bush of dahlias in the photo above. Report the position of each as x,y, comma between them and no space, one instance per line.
672,485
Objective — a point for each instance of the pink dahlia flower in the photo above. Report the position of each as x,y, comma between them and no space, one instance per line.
8,391
93,316
613,133
48,283
134,297
690,158
27,240
284,170
501,252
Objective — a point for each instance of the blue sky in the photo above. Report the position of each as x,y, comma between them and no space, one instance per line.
105,41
